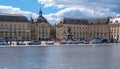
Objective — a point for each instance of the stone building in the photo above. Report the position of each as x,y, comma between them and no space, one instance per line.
87,29
14,27
17,27
40,28
114,26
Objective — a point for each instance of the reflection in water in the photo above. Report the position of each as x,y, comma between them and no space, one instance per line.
62,57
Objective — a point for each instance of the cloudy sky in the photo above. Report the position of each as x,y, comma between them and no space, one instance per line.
54,10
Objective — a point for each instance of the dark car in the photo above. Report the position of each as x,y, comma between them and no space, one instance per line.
35,42
104,40
112,41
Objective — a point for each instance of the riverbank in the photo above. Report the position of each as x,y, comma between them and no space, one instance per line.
56,44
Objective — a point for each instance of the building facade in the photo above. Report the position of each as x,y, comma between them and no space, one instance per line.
114,26
14,27
17,27
108,28
40,28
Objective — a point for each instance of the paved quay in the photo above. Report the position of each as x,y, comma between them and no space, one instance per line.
43,43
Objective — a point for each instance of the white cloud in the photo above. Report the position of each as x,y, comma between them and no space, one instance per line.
13,10
81,8
71,8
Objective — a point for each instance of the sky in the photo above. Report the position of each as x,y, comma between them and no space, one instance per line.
54,10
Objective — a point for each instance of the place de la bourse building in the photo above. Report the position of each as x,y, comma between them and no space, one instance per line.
78,28
18,27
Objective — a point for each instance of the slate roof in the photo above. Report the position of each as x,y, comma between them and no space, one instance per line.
12,18
98,21
84,21
41,19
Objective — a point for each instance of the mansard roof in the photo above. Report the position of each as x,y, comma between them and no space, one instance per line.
84,21
73,21
98,21
12,18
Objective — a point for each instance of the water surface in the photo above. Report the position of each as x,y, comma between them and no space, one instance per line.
61,57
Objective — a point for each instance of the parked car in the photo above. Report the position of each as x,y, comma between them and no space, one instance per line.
2,42
96,41
112,41
34,42
20,43
82,41
104,40
50,42
73,42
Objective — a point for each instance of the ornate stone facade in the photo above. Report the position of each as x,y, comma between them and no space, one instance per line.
88,28
40,28
14,27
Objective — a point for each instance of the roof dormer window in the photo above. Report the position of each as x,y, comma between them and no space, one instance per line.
110,21
116,21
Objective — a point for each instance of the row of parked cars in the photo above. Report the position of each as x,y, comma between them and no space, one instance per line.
73,41
92,41
37,42
33,42
79,41
101,40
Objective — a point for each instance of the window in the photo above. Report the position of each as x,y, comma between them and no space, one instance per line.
19,34
46,32
1,25
110,21
10,25
23,25
116,21
6,34
65,28
74,27
19,25
10,30
77,27
64,32
28,26
14,25
6,25
15,30
10,34
15,34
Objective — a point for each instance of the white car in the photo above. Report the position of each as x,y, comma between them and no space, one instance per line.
50,42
